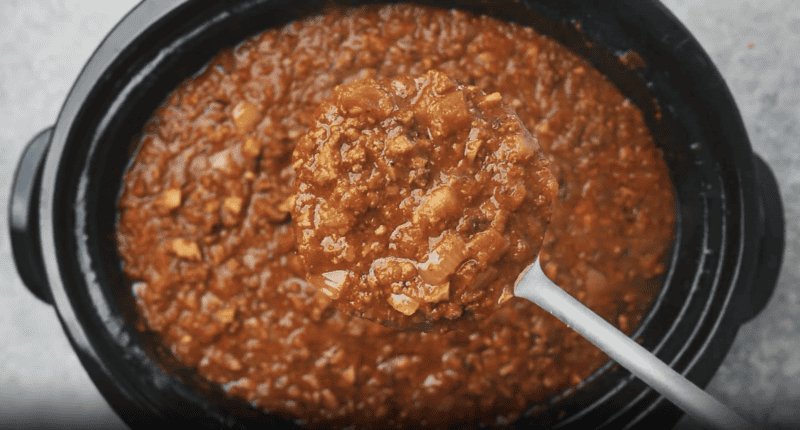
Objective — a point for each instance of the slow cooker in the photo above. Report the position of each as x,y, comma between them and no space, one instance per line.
723,266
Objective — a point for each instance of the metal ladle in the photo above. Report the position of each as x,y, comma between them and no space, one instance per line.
535,286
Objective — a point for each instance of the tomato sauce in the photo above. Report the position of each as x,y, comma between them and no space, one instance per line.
207,237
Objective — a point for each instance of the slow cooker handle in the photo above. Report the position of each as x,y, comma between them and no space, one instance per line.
23,216
772,238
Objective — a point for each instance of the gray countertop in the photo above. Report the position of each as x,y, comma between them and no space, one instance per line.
45,43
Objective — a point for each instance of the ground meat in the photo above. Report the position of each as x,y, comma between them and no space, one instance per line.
206,237
408,191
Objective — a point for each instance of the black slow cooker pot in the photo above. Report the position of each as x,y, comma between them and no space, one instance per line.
723,267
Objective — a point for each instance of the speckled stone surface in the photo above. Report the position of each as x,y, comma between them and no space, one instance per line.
45,43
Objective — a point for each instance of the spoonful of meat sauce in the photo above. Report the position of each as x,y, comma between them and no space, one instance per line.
409,191
421,204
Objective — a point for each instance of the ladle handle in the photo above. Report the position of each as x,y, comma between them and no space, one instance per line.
536,287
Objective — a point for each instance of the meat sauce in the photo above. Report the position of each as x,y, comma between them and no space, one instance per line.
206,236
419,200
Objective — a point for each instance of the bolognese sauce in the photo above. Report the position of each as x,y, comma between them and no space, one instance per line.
206,234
